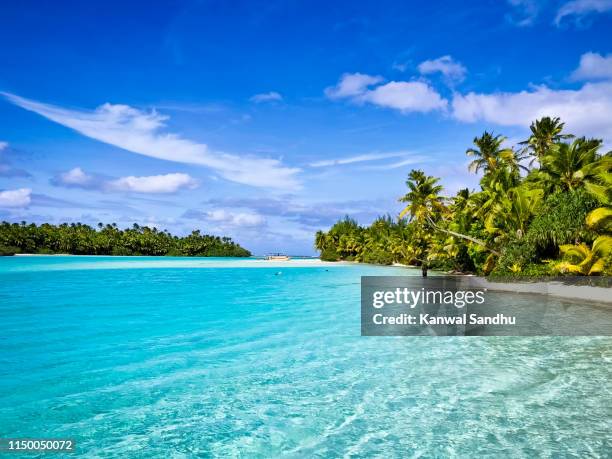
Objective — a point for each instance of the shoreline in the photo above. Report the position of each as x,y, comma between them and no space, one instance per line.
553,288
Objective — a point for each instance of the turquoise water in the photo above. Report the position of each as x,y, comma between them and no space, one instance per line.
162,357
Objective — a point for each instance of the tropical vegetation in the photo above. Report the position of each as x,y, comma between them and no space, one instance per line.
544,207
80,239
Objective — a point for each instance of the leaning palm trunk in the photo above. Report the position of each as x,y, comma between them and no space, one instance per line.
463,236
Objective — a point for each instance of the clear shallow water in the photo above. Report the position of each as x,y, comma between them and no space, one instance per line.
187,357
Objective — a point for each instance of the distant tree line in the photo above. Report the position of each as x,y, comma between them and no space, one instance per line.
80,239
544,207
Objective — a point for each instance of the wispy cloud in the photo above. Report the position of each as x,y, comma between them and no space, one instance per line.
357,159
578,9
310,215
271,96
405,96
139,132
402,163
594,66
453,71
15,198
6,168
525,12
352,85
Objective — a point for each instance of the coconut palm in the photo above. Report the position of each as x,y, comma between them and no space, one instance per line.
570,165
423,198
545,132
585,260
489,153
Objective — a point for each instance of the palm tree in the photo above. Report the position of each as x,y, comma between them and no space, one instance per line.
423,198
585,260
511,213
545,132
570,165
489,153
320,240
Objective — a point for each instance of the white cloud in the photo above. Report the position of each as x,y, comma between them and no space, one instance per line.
586,111
402,163
526,12
240,219
452,70
581,8
3,145
594,66
266,97
352,85
405,96
357,159
139,132
168,183
16,198
75,177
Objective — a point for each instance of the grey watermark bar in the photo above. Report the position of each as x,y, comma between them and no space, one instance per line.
462,306
37,445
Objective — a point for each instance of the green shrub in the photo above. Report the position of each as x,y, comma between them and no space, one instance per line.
515,256
330,254
7,251
560,221
378,257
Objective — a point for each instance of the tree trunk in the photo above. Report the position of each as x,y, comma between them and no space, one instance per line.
463,236
424,269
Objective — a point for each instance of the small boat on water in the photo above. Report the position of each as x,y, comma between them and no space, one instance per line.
278,257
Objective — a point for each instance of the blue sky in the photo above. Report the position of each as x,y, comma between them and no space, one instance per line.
266,121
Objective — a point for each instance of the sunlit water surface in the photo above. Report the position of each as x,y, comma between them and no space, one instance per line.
162,357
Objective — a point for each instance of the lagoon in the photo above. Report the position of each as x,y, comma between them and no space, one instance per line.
179,357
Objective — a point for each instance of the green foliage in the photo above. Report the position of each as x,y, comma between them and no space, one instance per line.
516,225
378,257
80,239
8,251
330,254
515,257
560,221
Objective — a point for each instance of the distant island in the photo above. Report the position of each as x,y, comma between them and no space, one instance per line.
80,239
544,208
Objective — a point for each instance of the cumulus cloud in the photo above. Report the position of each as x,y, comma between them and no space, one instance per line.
140,132
3,145
586,111
452,70
168,183
578,9
405,96
75,177
594,66
164,183
225,218
271,96
16,198
352,85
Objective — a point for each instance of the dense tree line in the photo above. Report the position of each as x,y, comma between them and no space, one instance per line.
544,207
80,239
